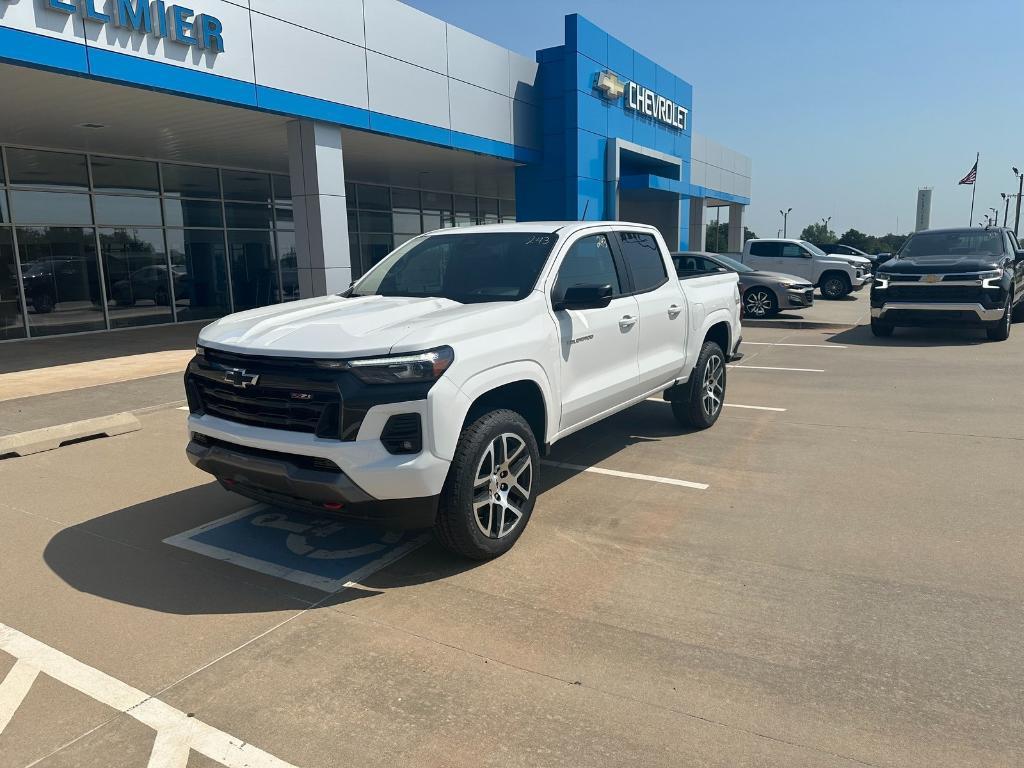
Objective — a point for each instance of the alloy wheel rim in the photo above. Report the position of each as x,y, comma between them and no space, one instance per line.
832,287
502,486
713,386
758,304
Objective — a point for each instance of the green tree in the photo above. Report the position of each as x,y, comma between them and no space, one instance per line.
818,233
856,239
716,237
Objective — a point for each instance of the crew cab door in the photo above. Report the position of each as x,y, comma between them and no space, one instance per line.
763,255
795,260
597,347
663,314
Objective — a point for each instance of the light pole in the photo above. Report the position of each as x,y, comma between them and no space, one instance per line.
1020,193
1006,208
825,222
995,212
785,221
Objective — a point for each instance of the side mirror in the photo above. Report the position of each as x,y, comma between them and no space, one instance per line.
1019,256
585,297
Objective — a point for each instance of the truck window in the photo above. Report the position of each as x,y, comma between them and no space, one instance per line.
643,259
792,251
588,262
767,250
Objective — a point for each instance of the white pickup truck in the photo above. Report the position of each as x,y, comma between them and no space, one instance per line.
425,394
835,275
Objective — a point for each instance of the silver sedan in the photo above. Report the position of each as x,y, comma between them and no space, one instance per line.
763,293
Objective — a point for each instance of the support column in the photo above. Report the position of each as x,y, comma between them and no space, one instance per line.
317,172
735,227
698,228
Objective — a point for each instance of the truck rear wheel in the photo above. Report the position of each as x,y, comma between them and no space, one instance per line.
491,487
702,407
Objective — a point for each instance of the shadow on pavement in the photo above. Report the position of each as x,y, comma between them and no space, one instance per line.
912,337
122,556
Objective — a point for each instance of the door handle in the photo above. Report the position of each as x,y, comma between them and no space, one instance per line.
674,311
627,321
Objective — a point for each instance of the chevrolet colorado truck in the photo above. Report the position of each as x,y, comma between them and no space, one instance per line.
425,395
955,277
835,275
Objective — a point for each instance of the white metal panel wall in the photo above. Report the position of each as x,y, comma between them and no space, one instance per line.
342,19
475,60
404,33
30,16
719,168
480,112
339,72
404,90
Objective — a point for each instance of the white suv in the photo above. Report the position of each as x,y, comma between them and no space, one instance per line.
835,275
424,395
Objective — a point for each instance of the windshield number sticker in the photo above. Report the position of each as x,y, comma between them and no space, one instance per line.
539,240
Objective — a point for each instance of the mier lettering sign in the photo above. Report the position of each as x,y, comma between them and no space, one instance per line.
642,100
154,18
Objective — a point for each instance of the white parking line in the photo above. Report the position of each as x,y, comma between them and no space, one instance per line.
729,405
14,689
771,368
781,344
176,732
628,475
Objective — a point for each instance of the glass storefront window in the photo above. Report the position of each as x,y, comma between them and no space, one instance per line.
12,323
113,174
373,198
288,258
61,276
437,211
136,273
5,213
57,208
488,210
248,215
122,209
465,211
193,213
283,187
373,248
38,168
508,210
201,279
374,222
246,185
284,214
254,280
190,181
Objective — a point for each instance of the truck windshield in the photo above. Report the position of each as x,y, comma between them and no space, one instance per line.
966,242
813,248
469,268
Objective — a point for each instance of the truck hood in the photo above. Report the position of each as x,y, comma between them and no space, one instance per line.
332,326
842,258
937,265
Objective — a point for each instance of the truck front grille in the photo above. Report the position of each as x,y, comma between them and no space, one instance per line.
315,413
936,293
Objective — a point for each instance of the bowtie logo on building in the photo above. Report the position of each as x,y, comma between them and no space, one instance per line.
609,84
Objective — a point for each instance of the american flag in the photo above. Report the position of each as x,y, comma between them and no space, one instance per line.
972,175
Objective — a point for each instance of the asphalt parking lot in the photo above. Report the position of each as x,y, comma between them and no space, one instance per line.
831,576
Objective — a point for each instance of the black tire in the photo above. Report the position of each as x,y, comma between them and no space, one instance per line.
459,526
759,302
1018,313
43,303
1001,331
695,411
882,330
835,285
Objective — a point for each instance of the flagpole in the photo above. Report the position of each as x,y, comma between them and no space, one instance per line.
974,188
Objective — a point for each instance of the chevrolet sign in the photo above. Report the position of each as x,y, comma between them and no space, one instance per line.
642,100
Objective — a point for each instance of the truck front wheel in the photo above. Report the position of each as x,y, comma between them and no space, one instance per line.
701,408
489,495
835,285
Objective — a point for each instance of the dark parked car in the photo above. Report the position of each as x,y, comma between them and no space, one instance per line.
954,277
150,284
763,293
57,279
849,250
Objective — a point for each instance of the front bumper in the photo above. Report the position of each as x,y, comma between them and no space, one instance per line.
924,313
797,298
861,281
303,483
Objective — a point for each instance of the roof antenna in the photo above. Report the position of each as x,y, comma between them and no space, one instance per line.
586,205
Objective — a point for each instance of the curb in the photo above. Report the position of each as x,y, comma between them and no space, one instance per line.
51,438
800,324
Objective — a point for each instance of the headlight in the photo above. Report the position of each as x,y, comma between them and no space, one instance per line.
884,276
397,369
200,351
991,279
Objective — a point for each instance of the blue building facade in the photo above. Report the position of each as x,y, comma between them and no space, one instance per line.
364,123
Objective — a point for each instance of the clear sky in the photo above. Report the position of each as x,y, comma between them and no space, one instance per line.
845,106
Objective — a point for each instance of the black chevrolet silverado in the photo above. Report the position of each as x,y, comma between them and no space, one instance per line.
952,277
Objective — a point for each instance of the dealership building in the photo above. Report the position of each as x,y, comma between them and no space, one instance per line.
162,163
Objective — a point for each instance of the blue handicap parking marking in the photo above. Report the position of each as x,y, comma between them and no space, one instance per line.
318,551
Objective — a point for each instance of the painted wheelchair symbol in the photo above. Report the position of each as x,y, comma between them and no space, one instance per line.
302,536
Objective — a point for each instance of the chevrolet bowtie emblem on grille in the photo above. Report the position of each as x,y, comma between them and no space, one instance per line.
237,377
931,279
609,84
